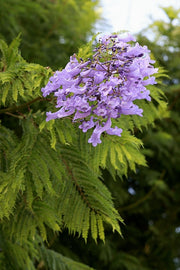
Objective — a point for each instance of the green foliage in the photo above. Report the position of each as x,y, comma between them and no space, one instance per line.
51,30
20,81
45,182
148,199
55,261
85,51
51,178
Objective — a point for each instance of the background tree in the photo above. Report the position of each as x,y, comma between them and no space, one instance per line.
51,30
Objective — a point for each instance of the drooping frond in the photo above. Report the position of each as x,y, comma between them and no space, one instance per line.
19,80
62,130
26,170
52,260
85,203
16,256
117,154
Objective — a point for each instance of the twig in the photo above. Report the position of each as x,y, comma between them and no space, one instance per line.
14,115
133,205
17,108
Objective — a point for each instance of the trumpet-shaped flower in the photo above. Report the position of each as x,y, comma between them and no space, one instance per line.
102,88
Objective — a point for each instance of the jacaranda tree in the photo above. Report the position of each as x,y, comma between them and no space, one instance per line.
51,175
72,154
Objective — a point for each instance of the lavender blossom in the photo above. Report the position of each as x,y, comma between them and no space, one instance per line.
96,90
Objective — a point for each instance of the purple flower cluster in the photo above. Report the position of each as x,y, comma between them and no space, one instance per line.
103,87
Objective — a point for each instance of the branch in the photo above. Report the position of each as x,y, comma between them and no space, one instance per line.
14,115
135,204
141,200
78,188
17,108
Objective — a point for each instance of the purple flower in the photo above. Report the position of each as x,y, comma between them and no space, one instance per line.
87,125
95,90
126,39
95,137
59,114
114,131
79,115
